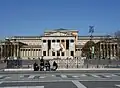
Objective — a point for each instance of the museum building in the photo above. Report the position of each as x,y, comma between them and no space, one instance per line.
59,43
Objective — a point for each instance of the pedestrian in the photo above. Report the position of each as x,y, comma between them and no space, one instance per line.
55,66
36,67
47,65
42,64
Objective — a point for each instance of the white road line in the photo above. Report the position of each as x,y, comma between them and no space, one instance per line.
25,87
7,77
1,76
63,76
21,76
31,76
75,76
117,85
57,81
78,84
107,76
95,75
36,87
113,75
42,76
83,75
1,82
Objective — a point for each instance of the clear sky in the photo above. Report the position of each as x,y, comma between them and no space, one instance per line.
32,17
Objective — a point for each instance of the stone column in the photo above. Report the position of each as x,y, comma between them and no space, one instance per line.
11,50
1,51
108,50
111,51
14,51
104,50
114,51
18,51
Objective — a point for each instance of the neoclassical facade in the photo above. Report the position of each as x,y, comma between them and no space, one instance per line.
59,43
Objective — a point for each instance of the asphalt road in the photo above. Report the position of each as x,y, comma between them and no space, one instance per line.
60,80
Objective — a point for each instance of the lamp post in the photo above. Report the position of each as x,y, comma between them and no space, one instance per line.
91,31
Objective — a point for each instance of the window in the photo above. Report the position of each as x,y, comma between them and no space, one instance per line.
62,40
72,53
53,53
62,54
44,53
101,46
58,40
67,44
44,41
72,40
58,53
53,40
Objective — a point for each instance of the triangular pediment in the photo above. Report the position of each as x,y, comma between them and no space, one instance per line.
58,34
61,32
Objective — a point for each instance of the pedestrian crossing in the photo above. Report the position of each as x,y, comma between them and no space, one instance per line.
64,76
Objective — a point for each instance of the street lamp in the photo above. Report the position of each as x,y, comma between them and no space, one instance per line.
91,31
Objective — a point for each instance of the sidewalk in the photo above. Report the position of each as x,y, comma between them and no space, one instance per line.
70,69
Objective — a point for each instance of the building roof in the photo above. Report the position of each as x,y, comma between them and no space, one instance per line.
61,30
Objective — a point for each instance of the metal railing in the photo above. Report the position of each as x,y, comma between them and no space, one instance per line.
68,63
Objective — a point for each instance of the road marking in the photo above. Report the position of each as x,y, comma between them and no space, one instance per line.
107,76
1,82
95,75
117,85
1,76
36,77
32,76
7,77
83,75
75,76
78,84
25,87
113,75
58,81
63,76
42,76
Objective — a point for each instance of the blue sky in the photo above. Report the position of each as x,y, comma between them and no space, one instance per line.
32,17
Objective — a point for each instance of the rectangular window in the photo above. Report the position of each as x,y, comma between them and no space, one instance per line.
72,53
44,53
72,40
49,44
101,46
58,40
53,40
62,53
62,40
67,44
53,53
58,53
44,41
